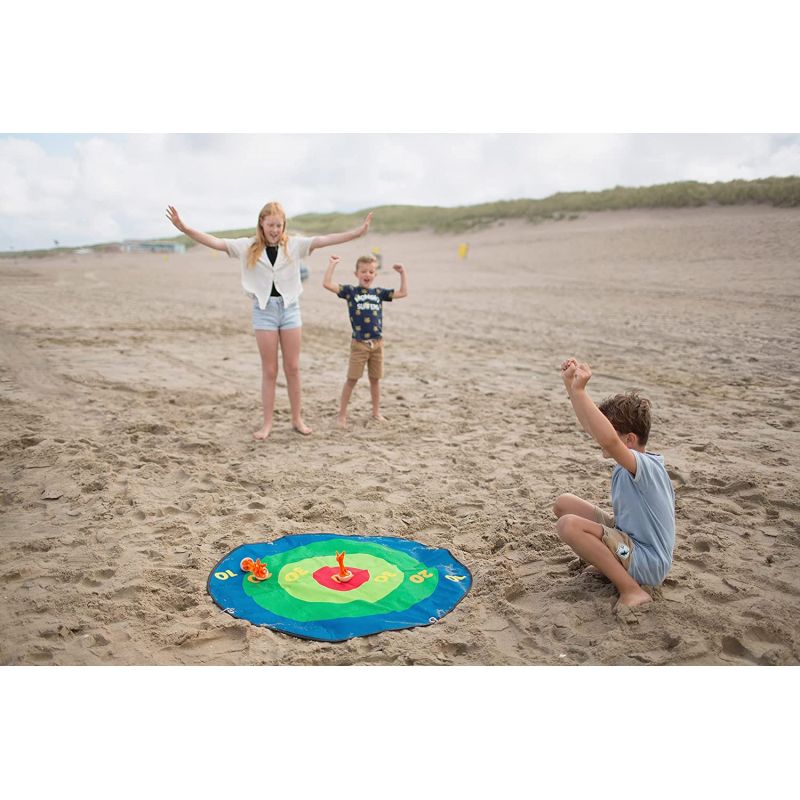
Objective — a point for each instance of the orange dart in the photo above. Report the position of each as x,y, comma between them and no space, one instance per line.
258,571
344,574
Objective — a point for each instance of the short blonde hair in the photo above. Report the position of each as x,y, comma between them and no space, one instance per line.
365,260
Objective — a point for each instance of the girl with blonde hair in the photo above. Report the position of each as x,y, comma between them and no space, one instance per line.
270,267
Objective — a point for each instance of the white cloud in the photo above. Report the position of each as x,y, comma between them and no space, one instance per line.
111,187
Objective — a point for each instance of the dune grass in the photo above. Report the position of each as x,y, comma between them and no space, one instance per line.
783,192
777,191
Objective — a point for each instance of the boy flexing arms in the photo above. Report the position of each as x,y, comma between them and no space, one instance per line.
365,305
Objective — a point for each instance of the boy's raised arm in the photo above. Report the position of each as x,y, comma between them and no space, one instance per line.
403,290
593,421
327,281
340,238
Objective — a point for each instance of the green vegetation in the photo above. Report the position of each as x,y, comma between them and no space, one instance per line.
782,192
53,251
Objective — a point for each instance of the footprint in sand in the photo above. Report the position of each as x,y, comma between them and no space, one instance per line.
41,655
98,577
216,642
702,545
676,476
732,646
733,487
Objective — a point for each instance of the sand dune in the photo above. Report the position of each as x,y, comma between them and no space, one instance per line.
129,385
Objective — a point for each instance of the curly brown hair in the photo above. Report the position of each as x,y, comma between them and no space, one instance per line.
628,413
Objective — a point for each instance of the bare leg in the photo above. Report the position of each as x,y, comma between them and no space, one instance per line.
290,349
375,394
347,391
268,350
585,538
572,504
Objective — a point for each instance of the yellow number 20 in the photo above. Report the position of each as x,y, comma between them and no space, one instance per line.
420,576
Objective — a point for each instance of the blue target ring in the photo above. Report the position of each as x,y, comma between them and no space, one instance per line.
401,584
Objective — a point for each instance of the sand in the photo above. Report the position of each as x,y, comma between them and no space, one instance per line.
129,387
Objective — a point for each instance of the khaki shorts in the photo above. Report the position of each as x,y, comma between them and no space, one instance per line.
618,542
369,352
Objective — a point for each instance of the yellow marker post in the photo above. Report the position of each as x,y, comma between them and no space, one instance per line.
463,249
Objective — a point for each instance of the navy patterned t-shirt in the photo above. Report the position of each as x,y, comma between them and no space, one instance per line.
366,310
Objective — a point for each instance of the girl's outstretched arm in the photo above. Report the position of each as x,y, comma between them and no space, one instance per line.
202,238
341,238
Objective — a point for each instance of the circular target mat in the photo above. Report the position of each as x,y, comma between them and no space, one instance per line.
397,583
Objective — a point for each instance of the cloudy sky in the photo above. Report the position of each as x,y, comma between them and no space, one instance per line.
355,66
85,189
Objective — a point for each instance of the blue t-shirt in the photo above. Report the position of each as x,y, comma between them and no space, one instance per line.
644,508
366,309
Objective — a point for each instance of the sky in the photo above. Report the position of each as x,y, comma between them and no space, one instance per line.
80,189
476,100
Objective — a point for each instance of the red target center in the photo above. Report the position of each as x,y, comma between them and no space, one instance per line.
324,577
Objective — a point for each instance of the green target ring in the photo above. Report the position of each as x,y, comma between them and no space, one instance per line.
401,589
397,583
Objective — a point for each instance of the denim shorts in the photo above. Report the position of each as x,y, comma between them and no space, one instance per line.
276,316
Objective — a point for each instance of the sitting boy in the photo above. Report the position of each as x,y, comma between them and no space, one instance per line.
635,547
365,304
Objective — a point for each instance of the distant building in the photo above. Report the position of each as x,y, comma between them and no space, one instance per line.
153,247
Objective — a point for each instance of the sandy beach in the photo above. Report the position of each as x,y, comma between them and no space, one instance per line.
129,387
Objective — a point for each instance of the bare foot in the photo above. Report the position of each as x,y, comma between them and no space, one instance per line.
379,417
635,598
301,427
263,432
341,420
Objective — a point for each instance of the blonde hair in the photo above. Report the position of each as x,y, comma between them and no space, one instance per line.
365,260
257,248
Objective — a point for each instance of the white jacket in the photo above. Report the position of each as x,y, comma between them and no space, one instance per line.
257,281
